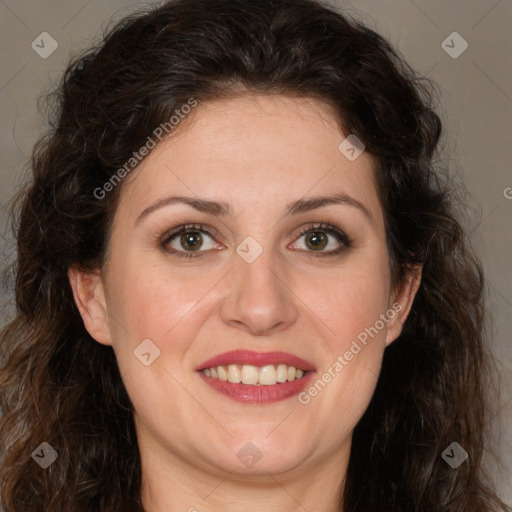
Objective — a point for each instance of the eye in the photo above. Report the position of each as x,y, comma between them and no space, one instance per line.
187,240
318,237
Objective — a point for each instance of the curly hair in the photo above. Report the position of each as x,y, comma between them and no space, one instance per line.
59,386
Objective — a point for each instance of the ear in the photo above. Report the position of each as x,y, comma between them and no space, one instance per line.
89,296
402,303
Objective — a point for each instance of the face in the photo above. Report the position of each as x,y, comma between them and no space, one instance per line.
263,268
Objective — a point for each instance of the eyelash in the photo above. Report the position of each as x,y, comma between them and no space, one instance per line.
341,237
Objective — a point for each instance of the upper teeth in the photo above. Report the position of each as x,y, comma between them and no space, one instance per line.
249,374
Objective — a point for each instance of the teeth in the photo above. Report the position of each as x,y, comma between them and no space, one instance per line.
268,375
223,374
282,373
234,373
255,375
250,374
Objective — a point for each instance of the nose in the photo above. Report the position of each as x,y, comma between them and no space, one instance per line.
261,301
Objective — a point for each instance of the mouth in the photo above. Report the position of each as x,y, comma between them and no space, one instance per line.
253,377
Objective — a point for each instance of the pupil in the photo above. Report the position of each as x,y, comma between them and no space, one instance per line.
317,239
192,239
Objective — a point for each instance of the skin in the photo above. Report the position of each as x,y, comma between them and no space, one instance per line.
258,154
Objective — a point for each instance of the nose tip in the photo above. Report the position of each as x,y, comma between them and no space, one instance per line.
260,301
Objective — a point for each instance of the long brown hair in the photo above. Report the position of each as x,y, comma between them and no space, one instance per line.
59,386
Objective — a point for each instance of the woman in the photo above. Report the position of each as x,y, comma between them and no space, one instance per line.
241,283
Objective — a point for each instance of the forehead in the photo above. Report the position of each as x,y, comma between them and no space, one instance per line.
254,151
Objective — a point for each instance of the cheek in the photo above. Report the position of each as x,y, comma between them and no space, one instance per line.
148,296
156,303
350,300
151,304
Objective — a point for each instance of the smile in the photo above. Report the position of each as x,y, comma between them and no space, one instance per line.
253,375
256,377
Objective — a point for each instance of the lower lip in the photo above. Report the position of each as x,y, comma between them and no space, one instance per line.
250,394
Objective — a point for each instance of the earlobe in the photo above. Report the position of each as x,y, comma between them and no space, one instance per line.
402,303
90,300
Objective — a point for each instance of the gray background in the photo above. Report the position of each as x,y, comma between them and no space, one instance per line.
476,107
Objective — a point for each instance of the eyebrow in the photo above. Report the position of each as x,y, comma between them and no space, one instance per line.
222,208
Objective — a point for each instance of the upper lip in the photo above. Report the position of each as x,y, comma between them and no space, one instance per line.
256,359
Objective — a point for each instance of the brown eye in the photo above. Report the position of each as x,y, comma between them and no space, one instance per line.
319,237
316,240
192,239
187,240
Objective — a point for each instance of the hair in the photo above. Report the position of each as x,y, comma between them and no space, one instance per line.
57,385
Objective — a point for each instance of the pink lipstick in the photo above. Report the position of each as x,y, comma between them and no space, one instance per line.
257,377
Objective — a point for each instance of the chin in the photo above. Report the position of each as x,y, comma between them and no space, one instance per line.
258,453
